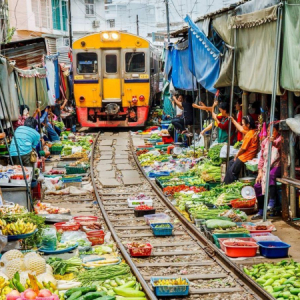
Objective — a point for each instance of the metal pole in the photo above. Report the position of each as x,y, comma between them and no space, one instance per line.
5,140
18,151
199,100
231,100
168,19
276,63
70,23
137,25
292,155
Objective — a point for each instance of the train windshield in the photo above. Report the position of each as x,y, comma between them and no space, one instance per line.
135,62
87,63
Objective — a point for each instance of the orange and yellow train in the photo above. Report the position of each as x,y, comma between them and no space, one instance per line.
116,77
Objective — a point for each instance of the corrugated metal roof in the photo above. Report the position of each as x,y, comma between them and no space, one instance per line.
51,45
63,56
25,53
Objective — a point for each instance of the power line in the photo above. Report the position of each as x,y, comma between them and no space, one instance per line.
176,10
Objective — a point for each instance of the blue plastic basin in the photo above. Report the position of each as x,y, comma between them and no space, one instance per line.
272,249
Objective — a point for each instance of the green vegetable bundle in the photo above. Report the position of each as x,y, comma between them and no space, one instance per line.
62,267
214,154
215,223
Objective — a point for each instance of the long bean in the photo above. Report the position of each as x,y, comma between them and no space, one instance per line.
103,272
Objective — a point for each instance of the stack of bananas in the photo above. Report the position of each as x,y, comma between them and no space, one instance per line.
43,285
177,281
19,227
4,288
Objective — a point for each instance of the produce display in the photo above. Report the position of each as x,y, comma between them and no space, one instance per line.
18,227
177,281
281,280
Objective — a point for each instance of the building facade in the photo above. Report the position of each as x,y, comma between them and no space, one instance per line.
88,16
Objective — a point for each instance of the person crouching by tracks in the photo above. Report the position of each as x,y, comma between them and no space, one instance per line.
27,139
186,118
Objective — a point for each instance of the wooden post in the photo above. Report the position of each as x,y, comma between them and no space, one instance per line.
245,101
284,157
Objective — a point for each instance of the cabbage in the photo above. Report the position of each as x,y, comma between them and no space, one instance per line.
214,223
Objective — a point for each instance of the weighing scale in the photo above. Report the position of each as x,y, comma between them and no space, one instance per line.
248,192
178,148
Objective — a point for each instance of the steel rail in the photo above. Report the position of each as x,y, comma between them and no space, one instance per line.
209,246
110,226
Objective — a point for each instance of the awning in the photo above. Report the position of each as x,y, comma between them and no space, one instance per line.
182,77
290,70
204,57
255,22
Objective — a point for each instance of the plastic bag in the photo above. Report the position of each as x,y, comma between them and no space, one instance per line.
294,124
232,151
76,237
49,239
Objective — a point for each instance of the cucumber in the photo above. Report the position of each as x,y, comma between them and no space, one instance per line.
83,290
108,298
75,295
93,295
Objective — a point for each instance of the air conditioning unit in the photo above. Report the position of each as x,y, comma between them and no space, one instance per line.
96,24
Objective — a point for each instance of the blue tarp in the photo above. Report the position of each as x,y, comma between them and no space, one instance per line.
168,64
204,57
182,78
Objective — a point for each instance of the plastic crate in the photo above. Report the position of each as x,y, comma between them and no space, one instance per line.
64,226
72,179
56,150
163,146
170,290
141,213
155,174
157,231
157,218
232,250
137,202
247,239
216,236
243,203
271,249
84,219
76,169
137,252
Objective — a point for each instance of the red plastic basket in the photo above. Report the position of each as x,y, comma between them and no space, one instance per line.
222,240
232,249
243,203
96,237
135,251
64,226
167,139
84,219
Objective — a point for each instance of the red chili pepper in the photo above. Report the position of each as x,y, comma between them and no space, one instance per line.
144,207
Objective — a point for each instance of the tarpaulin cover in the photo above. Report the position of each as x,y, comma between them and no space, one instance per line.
290,72
33,85
51,64
182,78
4,89
204,57
222,25
168,63
14,99
256,37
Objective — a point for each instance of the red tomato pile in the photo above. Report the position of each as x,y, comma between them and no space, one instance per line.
171,190
144,207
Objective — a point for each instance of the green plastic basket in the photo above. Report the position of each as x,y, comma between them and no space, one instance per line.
227,235
162,146
76,169
250,167
56,150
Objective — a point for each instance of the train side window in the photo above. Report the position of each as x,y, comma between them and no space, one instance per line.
87,63
111,63
135,62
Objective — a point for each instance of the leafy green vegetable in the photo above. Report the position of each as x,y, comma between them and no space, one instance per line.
214,154
214,223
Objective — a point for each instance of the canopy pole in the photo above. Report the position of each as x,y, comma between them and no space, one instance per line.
38,115
272,112
199,100
231,101
193,90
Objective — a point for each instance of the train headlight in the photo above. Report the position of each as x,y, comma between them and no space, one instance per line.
142,98
115,36
105,36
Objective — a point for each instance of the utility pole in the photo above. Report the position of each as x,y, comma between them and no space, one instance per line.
137,25
168,20
70,24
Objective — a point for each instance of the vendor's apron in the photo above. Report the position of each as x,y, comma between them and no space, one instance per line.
222,134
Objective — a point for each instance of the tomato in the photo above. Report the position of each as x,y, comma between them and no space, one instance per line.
144,207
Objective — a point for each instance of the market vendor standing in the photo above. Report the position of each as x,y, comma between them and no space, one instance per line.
186,118
27,139
275,171
222,122
239,117
247,151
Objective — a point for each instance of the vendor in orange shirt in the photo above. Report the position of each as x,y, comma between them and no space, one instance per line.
247,151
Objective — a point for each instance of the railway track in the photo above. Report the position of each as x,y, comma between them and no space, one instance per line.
116,175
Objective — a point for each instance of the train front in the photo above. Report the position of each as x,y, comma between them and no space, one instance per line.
111,80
